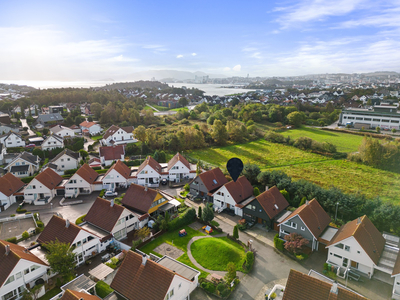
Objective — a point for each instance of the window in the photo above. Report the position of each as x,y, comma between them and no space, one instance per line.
78,244
26,271
347,248
376,120
10,279
84,241
338,256
284,231
345,262
179,285
34,267
68,159
340,245
302,228
358,252
18,275
62,159
291,224
62,166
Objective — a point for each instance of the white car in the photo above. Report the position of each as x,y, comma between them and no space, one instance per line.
110,194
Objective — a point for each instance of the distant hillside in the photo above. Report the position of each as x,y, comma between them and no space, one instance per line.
16,87
136,84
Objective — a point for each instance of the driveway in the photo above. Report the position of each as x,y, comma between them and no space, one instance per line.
25,124
88,142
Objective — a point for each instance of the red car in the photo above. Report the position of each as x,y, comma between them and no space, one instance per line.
30,146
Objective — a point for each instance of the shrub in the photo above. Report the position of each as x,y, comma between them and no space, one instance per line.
199,213
28,213
274,137
96,168
20,210
208,286
13,215
102,193
214,223
12,240
249,260
225,293
295,243
278,243
103,289
186,218
38,230
25,235
256,191
326,266
221,287
70,172
80,220
27,179
273,295
40,224
187,187
235,232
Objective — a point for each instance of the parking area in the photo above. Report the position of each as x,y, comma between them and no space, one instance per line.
14,228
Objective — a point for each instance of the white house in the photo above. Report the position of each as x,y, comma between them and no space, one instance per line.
85,244
12,139
62,131
6,128
118,135
25,164
19,268
149,173
84,181
91,128
52,142
9,185
112,218
111,153
180,169
117,176
76,129
42,188
3,152
173,279
66,160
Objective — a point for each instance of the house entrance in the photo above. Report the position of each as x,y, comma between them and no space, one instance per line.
259,220
41,196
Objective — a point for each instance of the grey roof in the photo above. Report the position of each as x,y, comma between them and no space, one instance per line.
19,168
68,152
59,138
50,118
10,133
58,128
29,157
80,283
178,267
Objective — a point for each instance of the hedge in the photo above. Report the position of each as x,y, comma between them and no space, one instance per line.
80,220
70,172
27,179
96,168
12,240
102,192
103,289
278,243
186,218
102,171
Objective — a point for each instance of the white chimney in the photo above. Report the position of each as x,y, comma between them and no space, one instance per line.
266,187
307,202
112,203
144,259
67,223
358,221
145,187
7,249
334,288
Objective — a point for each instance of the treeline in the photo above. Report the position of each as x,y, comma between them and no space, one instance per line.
382,154
140,85
384,215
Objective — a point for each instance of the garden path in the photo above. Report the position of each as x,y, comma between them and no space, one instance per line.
189,253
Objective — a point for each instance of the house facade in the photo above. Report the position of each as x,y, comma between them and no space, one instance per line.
205,184
12,139
66,160
52,142
117,176
82,182
149,173
91,128
42,189
62,131
25,164
180,169
19,268
9,185
118,135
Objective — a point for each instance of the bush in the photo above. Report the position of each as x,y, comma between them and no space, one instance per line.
70,172
40,224
208,286
80,220
96,168
38,230
12,240
274,137
102,171
221,287
102,192
278,243
103,289
25,235
214,223
199,213
249,260
273,295
27,179
187,187
235,232
186,218
13,215
21,210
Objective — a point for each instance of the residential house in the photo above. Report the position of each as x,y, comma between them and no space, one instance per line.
144,200
19,269
117,176
85,244
6,128
84,181
56,109
65,160
91,128
25,164
52,142
3,155
149,173
232,193
301,286
137,276
112,218
9,185
180,169
118,135
266,208
76,129
42,188
94,162
5,118
205,184
358,245
12,139
62,131
110,154
75,295
49,119
309,220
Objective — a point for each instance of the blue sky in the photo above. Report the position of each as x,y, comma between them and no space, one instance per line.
90,40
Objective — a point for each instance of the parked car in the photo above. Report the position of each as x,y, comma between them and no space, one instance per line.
164,181
30,146
110,194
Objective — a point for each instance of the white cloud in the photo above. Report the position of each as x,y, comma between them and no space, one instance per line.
237,68
227,69
179,56
194,54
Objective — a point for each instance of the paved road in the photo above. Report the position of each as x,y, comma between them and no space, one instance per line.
25,124
153,107
88,142
164,113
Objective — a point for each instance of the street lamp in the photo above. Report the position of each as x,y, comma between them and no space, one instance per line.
337,205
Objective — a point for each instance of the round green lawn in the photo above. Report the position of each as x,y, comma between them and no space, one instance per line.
216,253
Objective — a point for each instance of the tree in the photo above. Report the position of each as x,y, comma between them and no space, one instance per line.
140,133
96,109
251,171
235,233
198,168
219,133
142,233
295,118
256,191
208,214
45,131
249,259
32,293
378,129
183,101
61,258
83,153
25,235
78,120
231,272
295,242
199,213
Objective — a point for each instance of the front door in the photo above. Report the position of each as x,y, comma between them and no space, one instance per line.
228,205
354,264
259,220
41,196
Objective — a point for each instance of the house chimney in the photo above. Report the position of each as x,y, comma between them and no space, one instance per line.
144,259
307,202
112,203
334,288
358,221
7,249
67,223
145,187
266,187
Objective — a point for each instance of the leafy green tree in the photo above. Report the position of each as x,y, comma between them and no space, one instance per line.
83,153
96,109
378,129
231,272
140,133
61,258
183,102
208,214
199,214
251,171
235,233
25,235
219,133
256,191
296,118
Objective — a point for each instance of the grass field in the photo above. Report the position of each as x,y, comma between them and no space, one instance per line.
260,152
216,253
350,177
344,142
97,137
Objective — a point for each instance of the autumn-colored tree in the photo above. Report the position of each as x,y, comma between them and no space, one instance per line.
295,243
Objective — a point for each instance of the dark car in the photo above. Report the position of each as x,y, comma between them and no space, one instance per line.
164,181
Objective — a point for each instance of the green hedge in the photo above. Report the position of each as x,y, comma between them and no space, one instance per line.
27,179
96,168
102,193
70,172
278,243
103,289
12,240
102,171
80,220
186,218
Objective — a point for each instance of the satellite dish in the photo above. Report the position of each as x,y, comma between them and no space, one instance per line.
39,281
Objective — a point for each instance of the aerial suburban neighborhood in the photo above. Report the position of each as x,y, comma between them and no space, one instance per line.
135,198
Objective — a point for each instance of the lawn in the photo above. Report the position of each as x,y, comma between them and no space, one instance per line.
344,142
184,258
350,177
260,152
179,108
216,253
50,294
96,137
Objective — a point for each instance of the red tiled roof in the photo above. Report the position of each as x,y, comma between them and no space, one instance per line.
8,262
213,179
87,124
121,168
300,286
137,198
240,190
272,201
49,178
9,184
178,157
74,295
137,281
365,233
87,173
313,216
56,229
102,215
128,129
112,152
152,163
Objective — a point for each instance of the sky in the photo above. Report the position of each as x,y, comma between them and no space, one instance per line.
95,40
